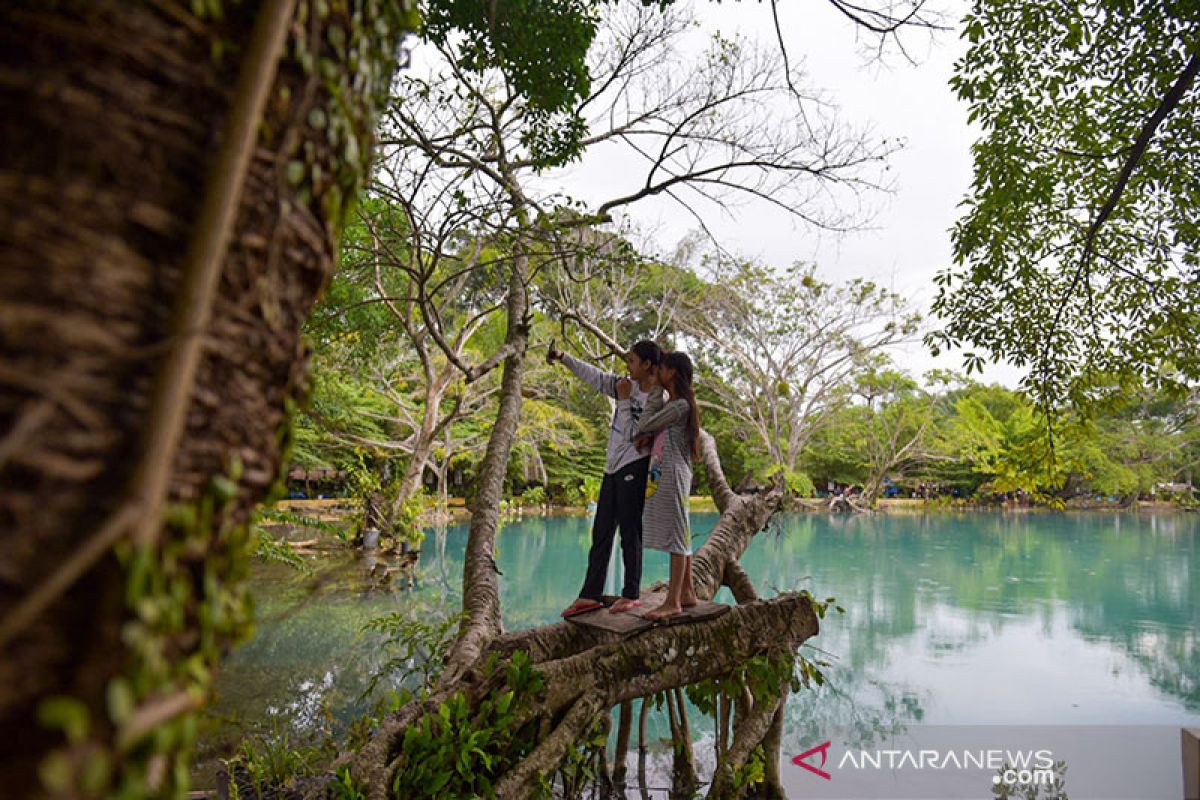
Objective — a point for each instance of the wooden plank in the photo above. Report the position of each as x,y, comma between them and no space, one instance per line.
634,621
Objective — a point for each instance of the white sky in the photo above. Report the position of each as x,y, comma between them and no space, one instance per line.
909,240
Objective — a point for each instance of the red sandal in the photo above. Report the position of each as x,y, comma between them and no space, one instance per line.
581,607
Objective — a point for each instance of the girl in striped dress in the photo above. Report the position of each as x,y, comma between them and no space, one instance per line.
665,520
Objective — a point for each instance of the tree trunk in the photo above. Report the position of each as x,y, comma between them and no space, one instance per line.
872,490
624,728
119,113
481,592
772,785
424,439
586,672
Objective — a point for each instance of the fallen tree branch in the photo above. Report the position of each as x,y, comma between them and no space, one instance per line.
731,537
670,656
723,496
583,686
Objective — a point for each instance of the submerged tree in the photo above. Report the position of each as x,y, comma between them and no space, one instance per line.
461,153
173,181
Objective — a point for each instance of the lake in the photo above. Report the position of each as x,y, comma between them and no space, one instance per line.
961,629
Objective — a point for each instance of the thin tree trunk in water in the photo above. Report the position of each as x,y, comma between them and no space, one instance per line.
772,785
684,779
723,725
117,112
624,727
643,713
481,592
749,730
603,776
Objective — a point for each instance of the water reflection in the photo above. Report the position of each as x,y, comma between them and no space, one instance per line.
1023,618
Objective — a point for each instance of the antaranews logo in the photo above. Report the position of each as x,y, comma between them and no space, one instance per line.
1026,766
823,749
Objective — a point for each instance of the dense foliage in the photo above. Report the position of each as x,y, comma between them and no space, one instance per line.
1080,231
864,422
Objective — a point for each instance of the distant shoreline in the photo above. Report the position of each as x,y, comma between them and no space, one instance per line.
456,512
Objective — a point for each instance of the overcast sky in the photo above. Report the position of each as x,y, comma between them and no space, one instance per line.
909,238
908,241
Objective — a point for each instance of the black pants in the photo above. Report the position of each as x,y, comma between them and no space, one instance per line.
622,496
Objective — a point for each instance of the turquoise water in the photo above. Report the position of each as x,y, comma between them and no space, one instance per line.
951,619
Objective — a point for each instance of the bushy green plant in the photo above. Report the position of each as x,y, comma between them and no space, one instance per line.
590,487
572,495
344,787
406,524
268,547
265,763
798,484
362,479
581,763
533,496
460,750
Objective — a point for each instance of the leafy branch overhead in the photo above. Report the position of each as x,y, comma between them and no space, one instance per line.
1080,230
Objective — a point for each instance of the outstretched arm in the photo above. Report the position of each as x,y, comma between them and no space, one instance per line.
598,379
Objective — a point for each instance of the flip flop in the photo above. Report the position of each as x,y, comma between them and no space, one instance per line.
577,608
628,604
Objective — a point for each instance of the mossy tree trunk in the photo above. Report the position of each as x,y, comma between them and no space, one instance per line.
151,299
582,673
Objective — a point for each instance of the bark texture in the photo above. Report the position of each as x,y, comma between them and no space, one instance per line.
115,115
586,672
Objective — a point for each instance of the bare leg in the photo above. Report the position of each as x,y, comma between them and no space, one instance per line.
687,596
671,606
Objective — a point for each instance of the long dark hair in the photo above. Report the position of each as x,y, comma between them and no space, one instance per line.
682,390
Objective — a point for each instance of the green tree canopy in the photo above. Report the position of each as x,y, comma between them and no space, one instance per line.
1080,231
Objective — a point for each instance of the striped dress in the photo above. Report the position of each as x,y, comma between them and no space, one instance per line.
665,520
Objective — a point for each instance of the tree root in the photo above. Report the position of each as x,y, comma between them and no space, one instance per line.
520,781
584,672
684,780
624,728
578,688
772,786
749,731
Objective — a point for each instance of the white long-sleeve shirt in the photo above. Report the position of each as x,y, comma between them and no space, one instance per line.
621,450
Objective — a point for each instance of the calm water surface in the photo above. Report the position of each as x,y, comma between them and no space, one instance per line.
951,620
